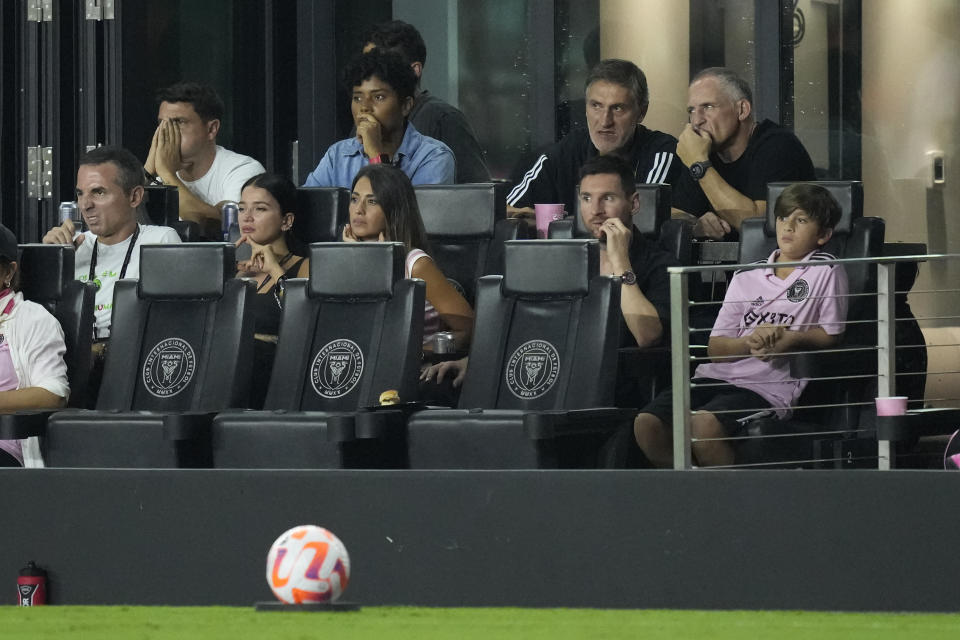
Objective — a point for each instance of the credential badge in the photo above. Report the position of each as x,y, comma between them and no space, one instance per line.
337,368
169,367
532,369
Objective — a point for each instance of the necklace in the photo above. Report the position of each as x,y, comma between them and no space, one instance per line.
92,276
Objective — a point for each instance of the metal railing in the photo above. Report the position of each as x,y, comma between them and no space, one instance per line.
885,348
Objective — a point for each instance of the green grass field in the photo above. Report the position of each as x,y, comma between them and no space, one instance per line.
463,624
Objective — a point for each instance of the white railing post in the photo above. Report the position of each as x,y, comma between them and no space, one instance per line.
680,368
886,352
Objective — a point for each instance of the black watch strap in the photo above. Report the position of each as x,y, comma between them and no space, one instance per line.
699,169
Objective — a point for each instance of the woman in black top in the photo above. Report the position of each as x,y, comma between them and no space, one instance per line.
267,203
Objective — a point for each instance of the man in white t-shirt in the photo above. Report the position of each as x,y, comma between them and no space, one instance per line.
109,189
184,152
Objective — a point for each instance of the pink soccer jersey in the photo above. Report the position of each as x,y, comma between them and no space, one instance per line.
809,297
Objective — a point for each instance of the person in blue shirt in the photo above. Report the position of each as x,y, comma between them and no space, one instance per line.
382,97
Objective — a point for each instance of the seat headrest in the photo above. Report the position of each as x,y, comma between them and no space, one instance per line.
461,209
185,271
355,269
848,193
162,203
44,270
321,213
550,267
654,208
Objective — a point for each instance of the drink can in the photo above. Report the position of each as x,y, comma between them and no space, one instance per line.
70,211
32,586
231,213
443,342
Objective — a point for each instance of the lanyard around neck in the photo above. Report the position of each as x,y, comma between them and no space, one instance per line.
92,277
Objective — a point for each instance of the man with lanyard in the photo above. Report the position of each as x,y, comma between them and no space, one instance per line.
382,88
617,99
109,189
730,157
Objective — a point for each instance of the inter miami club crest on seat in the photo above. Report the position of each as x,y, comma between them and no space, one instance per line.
532,369
169,367
337,368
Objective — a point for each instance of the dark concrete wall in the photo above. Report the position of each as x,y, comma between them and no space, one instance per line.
859,540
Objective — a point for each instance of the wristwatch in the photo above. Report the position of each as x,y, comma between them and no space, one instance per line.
628,277
699,169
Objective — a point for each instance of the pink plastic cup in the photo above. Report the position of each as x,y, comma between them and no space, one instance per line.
546,213
892,406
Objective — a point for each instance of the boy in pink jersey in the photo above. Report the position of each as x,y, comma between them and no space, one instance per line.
765,312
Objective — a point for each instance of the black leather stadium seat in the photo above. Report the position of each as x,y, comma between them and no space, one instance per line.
758,236
180,349
637,382
47,278
542,367
322,213
349,333
855,236
467,226
162,204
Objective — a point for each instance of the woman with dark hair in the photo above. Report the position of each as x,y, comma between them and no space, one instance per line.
266,213
33,374
383,208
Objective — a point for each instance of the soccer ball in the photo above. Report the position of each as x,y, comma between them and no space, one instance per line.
308,564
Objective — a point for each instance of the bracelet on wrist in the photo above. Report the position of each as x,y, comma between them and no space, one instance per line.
279,289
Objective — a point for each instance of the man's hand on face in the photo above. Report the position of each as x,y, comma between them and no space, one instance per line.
168,160
710,225
151,164
618,243
370,134
693,146
63,235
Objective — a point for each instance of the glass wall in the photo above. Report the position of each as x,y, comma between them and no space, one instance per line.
496,78
825,42
516,69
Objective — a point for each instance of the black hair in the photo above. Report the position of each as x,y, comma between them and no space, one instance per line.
204,99
816,202
386,65
610,163
626,74
280,187
129,170
396,196
399,36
